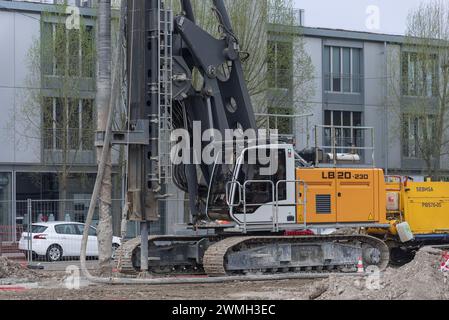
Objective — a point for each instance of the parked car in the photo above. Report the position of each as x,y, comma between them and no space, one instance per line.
55,240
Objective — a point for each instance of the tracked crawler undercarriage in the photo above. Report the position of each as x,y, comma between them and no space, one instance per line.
237,255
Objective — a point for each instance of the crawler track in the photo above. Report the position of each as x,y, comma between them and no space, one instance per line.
128,255
124,256
214,261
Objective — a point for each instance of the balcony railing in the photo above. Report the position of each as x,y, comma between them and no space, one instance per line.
355,140
286,16
68,139
340,82
78,3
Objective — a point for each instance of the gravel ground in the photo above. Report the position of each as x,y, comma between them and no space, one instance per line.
18,282
420,279
291,289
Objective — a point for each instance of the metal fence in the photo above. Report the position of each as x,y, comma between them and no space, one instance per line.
51,230
21,229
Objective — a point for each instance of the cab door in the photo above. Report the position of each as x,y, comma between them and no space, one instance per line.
263,190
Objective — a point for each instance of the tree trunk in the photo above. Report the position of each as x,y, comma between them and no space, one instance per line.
65,151
62,196
104,230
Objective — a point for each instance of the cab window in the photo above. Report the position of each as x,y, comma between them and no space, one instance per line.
259,193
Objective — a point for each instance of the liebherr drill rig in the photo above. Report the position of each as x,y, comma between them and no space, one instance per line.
250,222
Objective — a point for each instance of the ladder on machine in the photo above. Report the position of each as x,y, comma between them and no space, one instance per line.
163,173
165,92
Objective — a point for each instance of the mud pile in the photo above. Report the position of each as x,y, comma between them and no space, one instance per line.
11,269
419,279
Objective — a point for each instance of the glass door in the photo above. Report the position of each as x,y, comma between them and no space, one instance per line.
6,219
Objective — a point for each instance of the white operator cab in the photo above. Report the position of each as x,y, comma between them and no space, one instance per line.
255,191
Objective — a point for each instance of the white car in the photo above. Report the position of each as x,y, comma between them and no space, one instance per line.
55,240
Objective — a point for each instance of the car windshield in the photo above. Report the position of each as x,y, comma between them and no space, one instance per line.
38,229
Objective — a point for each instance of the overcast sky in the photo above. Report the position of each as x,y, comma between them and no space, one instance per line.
381,16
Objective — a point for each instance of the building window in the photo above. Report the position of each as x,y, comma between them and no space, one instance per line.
280,59
280,80
342,69
6,218
419,74
68,124
415,131
60,196
67,52
347,134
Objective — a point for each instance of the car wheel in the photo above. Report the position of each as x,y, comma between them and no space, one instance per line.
54,253
115,246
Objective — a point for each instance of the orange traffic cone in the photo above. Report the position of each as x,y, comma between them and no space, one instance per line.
360,268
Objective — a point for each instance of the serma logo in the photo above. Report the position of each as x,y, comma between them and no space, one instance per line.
424,189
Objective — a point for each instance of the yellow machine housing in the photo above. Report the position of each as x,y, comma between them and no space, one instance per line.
339,195
424,205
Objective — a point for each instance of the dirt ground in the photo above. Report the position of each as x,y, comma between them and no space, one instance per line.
229,291
420,279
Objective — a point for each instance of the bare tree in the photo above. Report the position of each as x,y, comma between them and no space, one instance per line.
104,55
422,99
